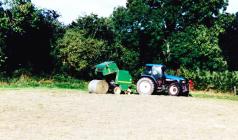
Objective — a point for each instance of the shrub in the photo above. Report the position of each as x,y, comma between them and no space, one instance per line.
77,53
206,80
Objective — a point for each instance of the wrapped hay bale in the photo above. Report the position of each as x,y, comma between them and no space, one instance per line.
98,86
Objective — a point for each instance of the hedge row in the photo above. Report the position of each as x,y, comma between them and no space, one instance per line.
206,80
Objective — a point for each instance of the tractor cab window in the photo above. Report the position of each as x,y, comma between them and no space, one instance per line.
148,70
157,70
154,70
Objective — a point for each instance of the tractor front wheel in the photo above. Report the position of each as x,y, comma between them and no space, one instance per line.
174,89
145,86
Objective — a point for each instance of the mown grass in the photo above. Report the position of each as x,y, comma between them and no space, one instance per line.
56,81
214,95
67,82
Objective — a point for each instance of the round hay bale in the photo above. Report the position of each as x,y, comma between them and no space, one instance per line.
98,86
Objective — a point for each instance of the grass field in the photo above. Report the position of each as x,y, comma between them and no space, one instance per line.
69,114
56,81
214,95
66,82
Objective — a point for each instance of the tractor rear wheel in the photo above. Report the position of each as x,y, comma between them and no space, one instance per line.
145,86
174,89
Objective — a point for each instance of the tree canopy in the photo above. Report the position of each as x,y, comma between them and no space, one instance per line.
27,33
189,34
150,26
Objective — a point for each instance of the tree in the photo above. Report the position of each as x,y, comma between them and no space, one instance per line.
100,28
229,43
195,48
28,34
95,27
4,26
77,53
147,26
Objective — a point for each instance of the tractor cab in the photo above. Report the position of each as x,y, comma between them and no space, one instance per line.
155,70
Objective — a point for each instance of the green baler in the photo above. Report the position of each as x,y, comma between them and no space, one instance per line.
110,79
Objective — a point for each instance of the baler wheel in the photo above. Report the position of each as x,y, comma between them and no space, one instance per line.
117,90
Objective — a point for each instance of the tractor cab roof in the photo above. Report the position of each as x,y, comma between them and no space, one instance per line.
151,65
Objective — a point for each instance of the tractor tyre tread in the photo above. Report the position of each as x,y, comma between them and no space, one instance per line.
151,83
175,85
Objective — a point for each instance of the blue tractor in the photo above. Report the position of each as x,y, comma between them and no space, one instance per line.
155,80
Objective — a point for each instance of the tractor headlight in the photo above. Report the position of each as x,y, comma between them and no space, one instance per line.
183,82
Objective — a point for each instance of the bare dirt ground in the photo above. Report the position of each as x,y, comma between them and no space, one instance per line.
43,114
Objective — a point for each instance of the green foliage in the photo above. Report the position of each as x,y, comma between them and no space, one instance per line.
101,29
215,95
55,81
229,43
78,53
206,80
26,35
2,56
195,48
95,27
148,26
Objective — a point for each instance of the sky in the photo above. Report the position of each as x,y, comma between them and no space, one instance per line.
72,9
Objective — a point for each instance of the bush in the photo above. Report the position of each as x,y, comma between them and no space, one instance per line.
77,53
206,80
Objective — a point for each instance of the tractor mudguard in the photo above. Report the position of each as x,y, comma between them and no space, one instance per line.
151,77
